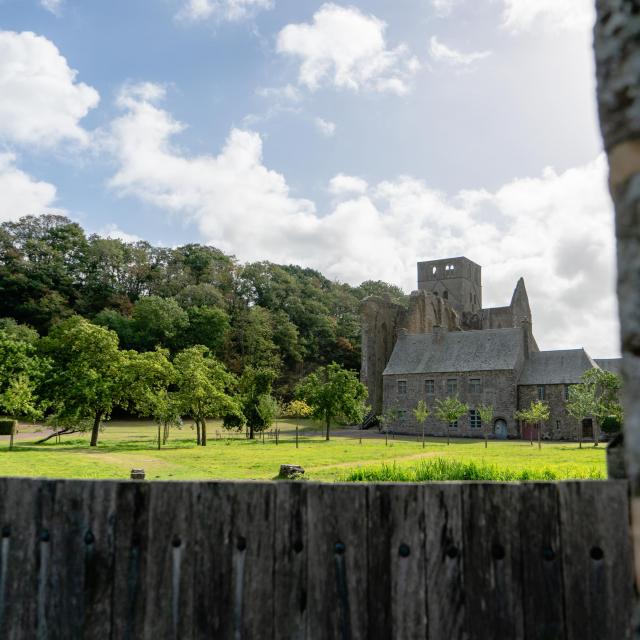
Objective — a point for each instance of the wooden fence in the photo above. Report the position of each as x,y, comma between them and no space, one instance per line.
110,560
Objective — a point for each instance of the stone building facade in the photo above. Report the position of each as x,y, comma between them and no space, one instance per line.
445,344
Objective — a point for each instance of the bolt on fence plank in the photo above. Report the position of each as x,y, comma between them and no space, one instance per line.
596,554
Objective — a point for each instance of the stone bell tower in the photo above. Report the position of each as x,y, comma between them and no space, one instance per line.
457,280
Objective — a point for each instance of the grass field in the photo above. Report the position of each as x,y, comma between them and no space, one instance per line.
125,445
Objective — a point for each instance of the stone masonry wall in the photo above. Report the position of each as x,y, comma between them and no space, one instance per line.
561,425
498,390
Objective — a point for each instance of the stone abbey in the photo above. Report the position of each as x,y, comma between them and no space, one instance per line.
445,343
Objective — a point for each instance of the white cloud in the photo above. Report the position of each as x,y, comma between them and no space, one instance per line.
552,15
555,229
346,48
342,184
442,53
40,101
115,232
54,6
444,7
231,10
325,127
288,92
21,194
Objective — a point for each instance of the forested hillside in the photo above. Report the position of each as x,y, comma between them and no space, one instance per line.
284,317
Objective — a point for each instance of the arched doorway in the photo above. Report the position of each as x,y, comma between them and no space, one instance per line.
500,428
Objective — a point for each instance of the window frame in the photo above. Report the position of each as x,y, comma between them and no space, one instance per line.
455,385
432,385
475,421
401,387
475,385
542,392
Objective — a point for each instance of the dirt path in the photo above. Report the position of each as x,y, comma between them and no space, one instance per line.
356,463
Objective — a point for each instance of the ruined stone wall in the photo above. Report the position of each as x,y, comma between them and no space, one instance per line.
381,322
498,389
507,317
561,425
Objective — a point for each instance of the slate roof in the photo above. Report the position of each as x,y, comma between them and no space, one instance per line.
457,351
614,365
556,367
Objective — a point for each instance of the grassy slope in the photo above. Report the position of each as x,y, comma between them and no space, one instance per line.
126,445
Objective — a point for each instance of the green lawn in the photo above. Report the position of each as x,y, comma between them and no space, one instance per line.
124,445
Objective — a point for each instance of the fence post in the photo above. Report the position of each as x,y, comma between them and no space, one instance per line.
13,430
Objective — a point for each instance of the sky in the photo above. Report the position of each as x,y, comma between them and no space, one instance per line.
355,138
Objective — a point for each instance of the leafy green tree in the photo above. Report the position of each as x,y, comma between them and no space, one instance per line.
149,376
421,412
255,386
157,321
536,413
204,388
21,371
449,411
595,396
208,326
333,392
486,416
388,418
297,409
86,378
268,409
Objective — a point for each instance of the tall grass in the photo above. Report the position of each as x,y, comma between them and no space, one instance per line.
438,469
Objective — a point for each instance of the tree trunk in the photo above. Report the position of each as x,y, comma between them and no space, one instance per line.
165,436
159,434
617,53
57,434
198,432
328,424
540,436
596,433
251,436
96,429
203,437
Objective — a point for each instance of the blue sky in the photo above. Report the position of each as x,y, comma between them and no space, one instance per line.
356,138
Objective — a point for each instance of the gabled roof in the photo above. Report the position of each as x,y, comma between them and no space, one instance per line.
613,365
457,351
556,367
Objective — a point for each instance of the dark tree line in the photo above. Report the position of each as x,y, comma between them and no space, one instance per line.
261,315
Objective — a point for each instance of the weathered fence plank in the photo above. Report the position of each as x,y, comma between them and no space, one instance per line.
597,559
443,526
542,577
128,560
291,557
397,601
492,561
337,562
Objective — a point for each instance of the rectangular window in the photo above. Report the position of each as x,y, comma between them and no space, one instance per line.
541,392
429,387
566,391
402,415
452,386
402,387
557,425
453,425
475,385
474,419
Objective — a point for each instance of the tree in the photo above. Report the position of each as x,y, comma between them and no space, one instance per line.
21,371
333,392
389,417
486,416
255,386
86,378
157,321
596,396
148,378
449,411
207,326
537,413
204,388
421,412
297,409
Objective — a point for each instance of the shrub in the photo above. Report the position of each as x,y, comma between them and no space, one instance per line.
441,469
6,427
296,409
